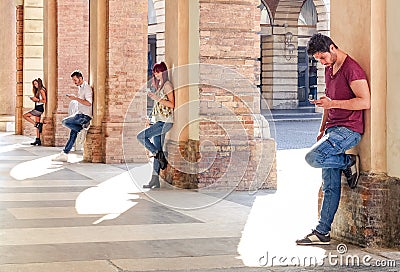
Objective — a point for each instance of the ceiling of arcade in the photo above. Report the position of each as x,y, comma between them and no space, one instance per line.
278,8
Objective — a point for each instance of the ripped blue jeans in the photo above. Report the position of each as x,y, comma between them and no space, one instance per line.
329,154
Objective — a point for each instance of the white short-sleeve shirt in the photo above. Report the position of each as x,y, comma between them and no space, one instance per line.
85,92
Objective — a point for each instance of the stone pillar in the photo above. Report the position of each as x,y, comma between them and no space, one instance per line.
177,55
323,13
284,67
93,150
50,70
159,29
393,83
369,215
181,24
7,55
284,62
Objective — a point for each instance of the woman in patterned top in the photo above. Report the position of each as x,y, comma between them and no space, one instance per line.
162,120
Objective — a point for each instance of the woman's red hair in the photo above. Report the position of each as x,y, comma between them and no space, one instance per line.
157,68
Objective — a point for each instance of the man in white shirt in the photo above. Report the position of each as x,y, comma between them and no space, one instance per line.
83,115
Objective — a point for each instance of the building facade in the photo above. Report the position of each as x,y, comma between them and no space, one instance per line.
228,62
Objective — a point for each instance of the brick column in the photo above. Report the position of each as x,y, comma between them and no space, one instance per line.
125,104
19,69
72,54
212,143
230,151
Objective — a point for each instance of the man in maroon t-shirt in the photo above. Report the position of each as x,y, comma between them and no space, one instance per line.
347,95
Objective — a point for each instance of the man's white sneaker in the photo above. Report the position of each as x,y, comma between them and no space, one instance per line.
63,157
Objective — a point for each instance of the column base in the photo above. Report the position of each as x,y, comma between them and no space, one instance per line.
48,132
213,170
369,214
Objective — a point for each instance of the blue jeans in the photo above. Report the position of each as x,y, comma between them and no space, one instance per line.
156,133
329,154
74,123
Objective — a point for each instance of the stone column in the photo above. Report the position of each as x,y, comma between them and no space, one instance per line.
177,55
284,62
180,23
159,29
393,83
93,150
7,55
284,67
50,69
369,215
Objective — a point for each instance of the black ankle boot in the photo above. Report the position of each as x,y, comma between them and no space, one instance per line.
39,126
37,142
161,158
154,183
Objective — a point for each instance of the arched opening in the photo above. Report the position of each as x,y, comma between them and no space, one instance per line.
306,65
151,37
266,44
283,41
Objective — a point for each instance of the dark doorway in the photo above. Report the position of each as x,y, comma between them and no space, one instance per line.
307,77
151,54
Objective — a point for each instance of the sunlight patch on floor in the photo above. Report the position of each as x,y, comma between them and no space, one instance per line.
35,168
276,221
113,196
8,148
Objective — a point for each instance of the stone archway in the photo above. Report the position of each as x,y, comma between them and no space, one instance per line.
279,69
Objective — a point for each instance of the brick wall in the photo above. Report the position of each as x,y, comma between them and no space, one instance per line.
183,167
222,41
19,68
125,109
73,53
228,97
369,215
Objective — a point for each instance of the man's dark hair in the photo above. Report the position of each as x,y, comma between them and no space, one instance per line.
77,73
319,43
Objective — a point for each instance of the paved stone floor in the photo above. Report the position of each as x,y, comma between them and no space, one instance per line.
78,216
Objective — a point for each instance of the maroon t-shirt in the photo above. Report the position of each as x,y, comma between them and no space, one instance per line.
338,88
